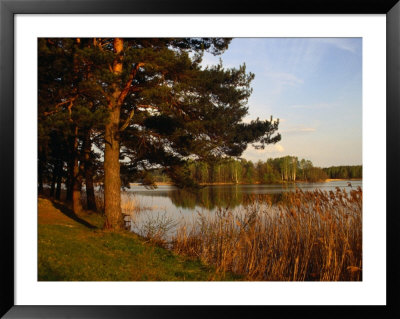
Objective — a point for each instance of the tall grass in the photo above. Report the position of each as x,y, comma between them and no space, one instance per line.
306,236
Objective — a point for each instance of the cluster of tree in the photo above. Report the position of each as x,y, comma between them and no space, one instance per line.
277,170
354,171
111,109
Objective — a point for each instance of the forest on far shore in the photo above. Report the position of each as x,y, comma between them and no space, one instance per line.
276,170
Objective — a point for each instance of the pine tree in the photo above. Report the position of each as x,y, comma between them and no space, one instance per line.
162,108
69,109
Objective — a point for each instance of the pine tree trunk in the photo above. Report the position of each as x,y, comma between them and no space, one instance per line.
112,180
76,190
77,178
90,198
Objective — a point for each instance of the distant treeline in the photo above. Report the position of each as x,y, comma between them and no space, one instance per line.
277,170
344,171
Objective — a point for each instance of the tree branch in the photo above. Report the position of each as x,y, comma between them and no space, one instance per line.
128,84
70,101
125,92
126,123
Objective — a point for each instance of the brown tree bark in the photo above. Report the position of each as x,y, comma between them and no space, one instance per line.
90,198
77,178
76,191
112,180
88,168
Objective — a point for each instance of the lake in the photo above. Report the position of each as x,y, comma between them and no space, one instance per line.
170,203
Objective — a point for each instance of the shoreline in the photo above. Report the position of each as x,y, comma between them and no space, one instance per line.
221,184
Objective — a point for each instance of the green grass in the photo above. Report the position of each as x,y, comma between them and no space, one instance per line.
69,249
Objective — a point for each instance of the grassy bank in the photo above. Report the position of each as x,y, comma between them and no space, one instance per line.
74,248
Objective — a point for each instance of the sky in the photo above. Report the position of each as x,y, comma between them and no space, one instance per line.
313,86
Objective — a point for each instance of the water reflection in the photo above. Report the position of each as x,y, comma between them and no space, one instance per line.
217,196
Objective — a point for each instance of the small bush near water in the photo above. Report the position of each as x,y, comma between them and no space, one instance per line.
313,236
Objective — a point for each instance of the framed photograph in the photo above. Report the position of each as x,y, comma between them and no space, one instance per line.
167,160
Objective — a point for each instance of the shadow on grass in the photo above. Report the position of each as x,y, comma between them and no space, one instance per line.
47,273
69,213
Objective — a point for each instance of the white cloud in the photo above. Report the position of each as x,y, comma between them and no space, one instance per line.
346,44
277,82
299,129
313,106
269,151
272,150
285,78
278,148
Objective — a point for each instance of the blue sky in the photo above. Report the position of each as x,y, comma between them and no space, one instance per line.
314,87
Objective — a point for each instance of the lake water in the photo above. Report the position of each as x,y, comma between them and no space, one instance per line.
169,202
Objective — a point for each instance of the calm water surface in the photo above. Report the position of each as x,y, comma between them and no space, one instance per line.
169,202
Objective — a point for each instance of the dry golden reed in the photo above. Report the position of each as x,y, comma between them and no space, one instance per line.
306,236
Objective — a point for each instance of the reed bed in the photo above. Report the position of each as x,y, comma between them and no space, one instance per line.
306,236
130,205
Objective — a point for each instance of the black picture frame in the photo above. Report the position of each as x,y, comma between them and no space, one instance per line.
10,8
